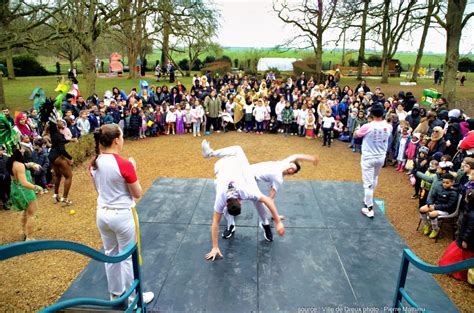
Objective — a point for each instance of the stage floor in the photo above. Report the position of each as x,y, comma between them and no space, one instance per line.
331,259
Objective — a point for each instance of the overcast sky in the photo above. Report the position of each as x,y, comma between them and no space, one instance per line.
247,23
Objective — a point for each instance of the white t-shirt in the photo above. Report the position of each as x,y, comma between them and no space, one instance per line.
259,113
231,182
270,172
111,178
328,121
376,135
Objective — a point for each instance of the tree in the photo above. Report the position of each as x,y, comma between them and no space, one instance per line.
86,21
454,23
431,6
312,18
67,49
192,24
392,23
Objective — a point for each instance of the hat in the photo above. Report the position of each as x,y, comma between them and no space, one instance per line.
454,113
417,135
424,149
445,164
377,110
437,133
360,89
346,97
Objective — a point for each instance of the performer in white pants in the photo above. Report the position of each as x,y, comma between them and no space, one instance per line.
235,182
374,149
116,181
272,173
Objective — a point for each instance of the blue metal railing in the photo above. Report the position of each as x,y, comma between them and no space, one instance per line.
16,249
409,257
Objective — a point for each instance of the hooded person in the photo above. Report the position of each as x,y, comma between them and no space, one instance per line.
21,125
453,137
414,118
437,144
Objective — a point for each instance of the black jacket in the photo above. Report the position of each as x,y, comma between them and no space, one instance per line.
466,230
446,200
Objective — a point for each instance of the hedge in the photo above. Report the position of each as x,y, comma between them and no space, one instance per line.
27,65
82,149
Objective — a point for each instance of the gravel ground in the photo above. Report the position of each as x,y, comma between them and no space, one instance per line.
33,281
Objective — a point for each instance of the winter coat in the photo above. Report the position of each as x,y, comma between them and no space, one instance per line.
212,106
466,230
287,115
135,121
444,200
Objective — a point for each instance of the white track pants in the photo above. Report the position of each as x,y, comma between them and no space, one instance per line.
117,229
370,175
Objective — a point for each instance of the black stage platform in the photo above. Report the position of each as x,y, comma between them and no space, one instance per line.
332,258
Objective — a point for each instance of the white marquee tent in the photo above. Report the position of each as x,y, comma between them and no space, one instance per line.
282,64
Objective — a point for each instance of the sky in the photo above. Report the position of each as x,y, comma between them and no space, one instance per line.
246,23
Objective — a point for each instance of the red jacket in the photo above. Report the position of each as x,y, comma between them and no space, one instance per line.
468,141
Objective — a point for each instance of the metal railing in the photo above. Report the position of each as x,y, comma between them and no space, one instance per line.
17,249
409,257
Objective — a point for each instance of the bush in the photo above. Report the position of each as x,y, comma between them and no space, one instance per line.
81,150
236,63
209,59
197,65
184,64
374,60
27,65
466,65
353,63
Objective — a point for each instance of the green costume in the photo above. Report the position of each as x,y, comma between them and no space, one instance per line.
21,197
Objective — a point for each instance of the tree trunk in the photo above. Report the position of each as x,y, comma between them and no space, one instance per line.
454,18
426,27
2,91
132,61
166,40
88,70
385,61
71,63
11,69
361,57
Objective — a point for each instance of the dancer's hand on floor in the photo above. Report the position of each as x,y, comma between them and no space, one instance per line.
280,228
215,253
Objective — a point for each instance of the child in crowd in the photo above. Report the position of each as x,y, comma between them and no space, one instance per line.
350,124
40,157
135,123
179,120
188,124
287,118
411,151
327,126
338,127
402,144
266,120
294,123
171,120
197,114
143,125
442,203
248,116
358,123
259,114
434,180
83,123
278,111
420,164
71,124
302,117
151,121
310,125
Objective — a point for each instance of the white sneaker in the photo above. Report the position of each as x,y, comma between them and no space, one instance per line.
367,212
147,298
206,149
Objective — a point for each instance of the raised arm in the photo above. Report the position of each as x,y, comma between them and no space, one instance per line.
303,157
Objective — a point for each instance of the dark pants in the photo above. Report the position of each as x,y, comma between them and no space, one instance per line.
134,132
213,121
287,128
327,136
5,182
260,126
